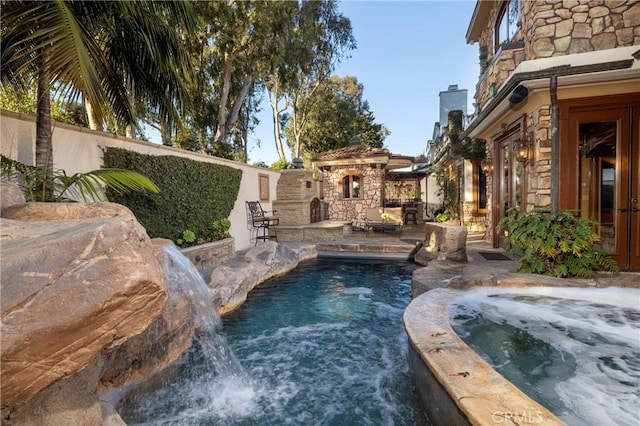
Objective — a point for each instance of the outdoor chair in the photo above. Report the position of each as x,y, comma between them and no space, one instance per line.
410,209
260,221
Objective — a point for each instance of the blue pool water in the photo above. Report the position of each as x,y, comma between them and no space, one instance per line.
323,345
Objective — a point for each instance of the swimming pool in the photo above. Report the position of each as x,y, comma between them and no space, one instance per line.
323,344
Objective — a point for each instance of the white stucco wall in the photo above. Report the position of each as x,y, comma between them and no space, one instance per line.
77,149
431,194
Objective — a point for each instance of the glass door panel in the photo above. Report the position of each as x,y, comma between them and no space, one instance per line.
599,183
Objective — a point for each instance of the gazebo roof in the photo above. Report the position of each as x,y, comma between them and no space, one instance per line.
351,151
361,154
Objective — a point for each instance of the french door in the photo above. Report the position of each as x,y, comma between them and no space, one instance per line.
509,183
604,184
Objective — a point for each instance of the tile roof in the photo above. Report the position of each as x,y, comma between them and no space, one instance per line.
352,151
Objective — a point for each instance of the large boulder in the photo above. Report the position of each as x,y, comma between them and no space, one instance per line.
230,283
168,336
443,241
70,289
10,195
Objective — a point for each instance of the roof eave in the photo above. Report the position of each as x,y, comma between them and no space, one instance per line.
568,75
478,20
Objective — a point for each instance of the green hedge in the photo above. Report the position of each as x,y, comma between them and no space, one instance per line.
192,194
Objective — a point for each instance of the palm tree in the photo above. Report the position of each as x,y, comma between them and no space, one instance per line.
96,51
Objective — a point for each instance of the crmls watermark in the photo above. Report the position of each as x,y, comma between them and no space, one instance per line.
518,417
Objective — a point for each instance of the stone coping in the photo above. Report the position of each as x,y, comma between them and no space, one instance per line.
481,394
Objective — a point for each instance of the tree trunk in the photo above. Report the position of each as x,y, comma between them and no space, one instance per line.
237,104
277,137
93,123
130,129
44,146
221,132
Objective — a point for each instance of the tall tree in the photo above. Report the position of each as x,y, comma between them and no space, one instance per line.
232,50
318,38
335,115
65,44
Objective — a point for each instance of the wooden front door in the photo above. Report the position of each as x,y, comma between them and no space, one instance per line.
604,180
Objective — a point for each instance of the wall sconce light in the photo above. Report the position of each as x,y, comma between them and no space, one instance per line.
522,150
487,166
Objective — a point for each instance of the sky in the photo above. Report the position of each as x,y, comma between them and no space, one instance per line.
407,53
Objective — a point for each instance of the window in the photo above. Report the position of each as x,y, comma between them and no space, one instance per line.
481,188
351,186
507,23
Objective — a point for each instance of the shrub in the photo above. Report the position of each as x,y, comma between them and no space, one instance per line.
192,195
554,243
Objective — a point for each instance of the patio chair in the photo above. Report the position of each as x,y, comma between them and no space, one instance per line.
260,221
410,209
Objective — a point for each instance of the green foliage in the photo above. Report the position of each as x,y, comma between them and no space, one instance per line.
334,114
38,185
188,238
442,217
220,229
92,47
193,194
281,164
557,244
413,194
25,101
470,149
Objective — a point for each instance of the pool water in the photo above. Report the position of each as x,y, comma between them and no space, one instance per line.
575,351
322,345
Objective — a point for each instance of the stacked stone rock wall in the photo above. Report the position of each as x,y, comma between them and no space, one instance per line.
497,73
564,27
539,168
351,208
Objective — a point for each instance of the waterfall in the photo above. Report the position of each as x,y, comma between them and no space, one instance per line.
208,381
184,278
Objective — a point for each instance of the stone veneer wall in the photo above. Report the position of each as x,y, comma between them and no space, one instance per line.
401,192
372,190
497,73
563,27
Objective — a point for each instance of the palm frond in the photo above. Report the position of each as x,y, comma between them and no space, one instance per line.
89,186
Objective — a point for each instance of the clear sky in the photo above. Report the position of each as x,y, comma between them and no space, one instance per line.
407,53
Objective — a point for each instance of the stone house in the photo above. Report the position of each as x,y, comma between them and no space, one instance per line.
558,104
357,177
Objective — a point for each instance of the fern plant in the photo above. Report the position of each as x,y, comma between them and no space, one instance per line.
554,243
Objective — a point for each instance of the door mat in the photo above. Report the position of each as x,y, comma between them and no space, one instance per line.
490,255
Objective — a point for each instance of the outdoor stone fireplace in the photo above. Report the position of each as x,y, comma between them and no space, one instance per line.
300,209
297,192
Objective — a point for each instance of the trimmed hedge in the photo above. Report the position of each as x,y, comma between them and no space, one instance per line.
192,194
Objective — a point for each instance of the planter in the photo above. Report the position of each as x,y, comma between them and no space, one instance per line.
211,254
